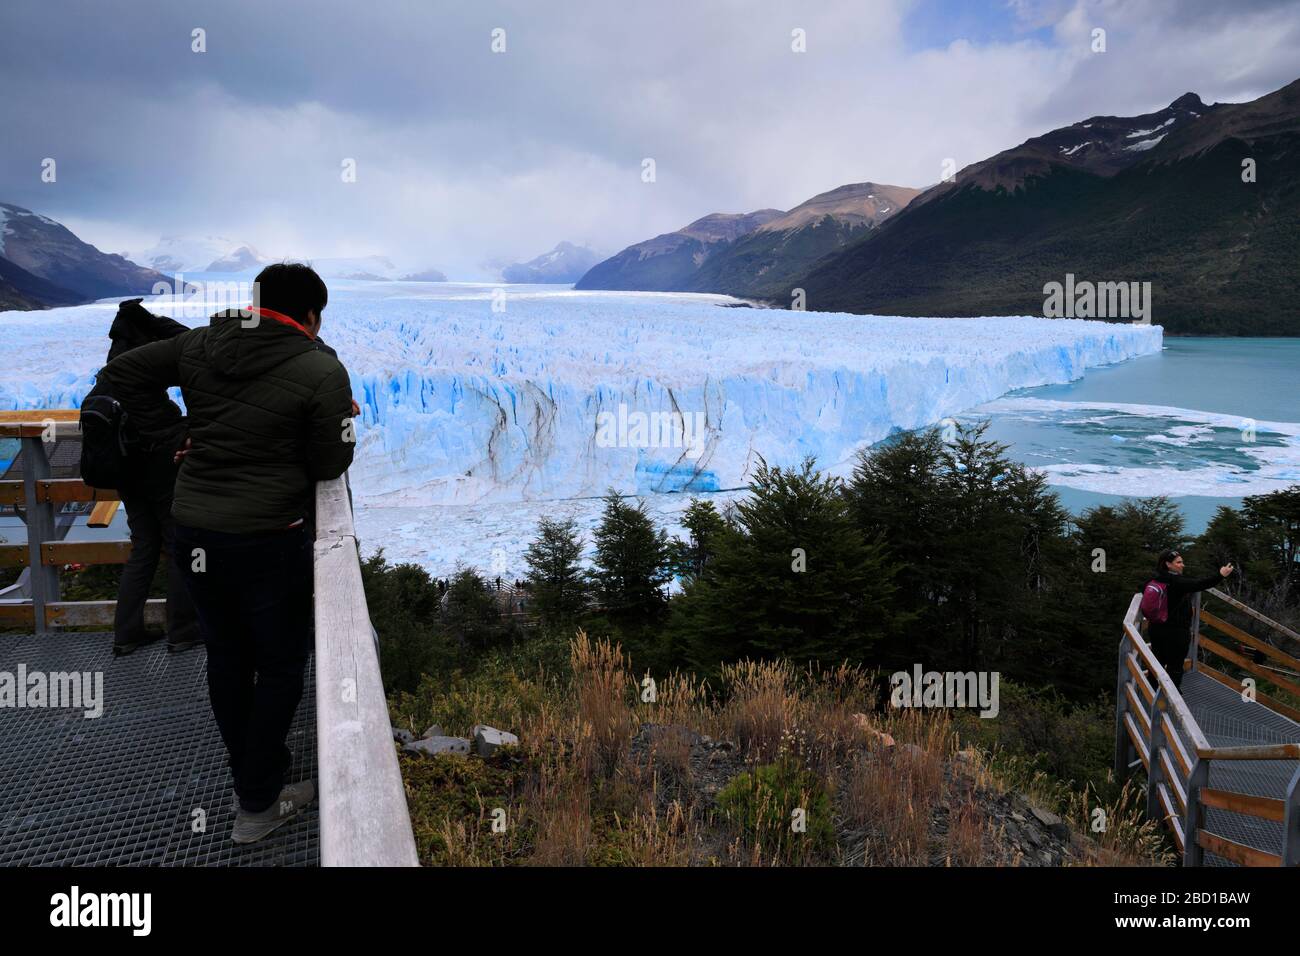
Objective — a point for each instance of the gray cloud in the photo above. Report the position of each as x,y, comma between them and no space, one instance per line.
465,155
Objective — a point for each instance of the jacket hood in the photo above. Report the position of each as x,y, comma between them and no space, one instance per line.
238,348
135,325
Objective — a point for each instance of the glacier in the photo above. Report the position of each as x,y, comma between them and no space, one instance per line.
476,394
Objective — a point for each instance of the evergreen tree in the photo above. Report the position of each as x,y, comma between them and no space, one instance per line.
556,584
795,579
897,491
402,601
470,611
705,528
992,561
631,562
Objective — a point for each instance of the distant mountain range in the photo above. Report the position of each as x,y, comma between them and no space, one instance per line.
761,264
1159,198
564,264
754,254
667,262
174,254
42,264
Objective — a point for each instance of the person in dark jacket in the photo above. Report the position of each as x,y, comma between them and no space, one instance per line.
269,415
146,494
1171,638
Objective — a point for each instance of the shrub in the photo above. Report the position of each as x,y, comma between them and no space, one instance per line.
761,805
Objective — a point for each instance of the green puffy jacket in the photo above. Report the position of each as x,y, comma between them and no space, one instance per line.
268,416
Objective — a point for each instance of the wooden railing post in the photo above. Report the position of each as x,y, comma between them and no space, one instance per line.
1291,823
1193,648
39,516
1193,855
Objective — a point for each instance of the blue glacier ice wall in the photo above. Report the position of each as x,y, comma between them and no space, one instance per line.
469,396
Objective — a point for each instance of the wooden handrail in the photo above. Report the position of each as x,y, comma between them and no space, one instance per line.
363,815
1135,707
1237,853
1249,640
1251,752
1170,815
1266,808
54,489
1169,692
1251,612
1176,744
1140,679
1247,665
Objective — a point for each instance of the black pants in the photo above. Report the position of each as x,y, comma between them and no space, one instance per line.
1170,644
149,518
253,596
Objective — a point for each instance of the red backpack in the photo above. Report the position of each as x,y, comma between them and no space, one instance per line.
1155,602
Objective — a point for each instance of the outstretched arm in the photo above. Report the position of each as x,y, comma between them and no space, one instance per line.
1193,585
139,379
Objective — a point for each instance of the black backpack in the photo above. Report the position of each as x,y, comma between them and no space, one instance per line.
106,441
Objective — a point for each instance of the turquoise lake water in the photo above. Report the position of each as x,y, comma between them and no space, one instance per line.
1206,421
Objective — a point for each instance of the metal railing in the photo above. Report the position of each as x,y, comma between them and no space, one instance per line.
1155,727
37,497
363,815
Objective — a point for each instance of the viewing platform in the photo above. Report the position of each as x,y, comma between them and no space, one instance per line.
145,782
1222,757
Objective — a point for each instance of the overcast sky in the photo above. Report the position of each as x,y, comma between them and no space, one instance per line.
464,155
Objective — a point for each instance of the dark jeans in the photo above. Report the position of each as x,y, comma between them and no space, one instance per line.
148,516
254,604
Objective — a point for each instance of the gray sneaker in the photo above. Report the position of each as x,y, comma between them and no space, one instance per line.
251,827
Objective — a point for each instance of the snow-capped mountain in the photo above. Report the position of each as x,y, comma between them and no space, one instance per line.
48,265
1102,145
174,254
371,268
1181,198
565,263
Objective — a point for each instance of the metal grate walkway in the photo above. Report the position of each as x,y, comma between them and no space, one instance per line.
1228,721
122,789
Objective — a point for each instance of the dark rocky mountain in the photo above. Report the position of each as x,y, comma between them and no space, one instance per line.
1159,198
762,263
47,250
668,262
19,289
565,263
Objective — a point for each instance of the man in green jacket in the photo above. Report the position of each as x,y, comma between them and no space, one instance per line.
269,411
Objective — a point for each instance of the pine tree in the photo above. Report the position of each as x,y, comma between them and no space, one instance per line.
556,583
631,562
470,611
706,529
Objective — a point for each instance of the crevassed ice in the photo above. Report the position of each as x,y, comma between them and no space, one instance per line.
464,402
